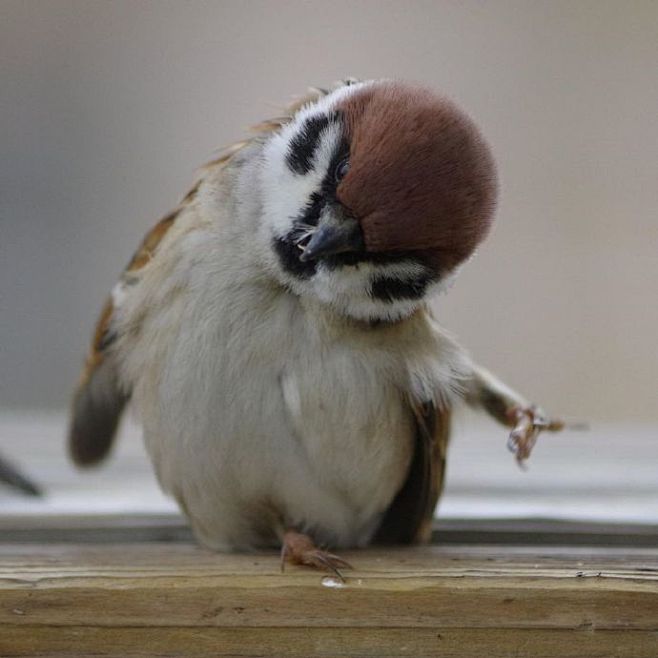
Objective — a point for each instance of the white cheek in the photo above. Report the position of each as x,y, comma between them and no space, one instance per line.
286,193
347,281
331,137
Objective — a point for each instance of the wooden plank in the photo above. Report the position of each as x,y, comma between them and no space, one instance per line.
138,528
45,641
177,599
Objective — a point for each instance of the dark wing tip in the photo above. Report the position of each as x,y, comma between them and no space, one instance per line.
97,408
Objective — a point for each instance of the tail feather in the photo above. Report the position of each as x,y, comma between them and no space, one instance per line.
97,407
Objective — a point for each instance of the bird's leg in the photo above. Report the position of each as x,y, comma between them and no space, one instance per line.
512,410
298,548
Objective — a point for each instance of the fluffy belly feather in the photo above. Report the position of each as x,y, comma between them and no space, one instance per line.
276,436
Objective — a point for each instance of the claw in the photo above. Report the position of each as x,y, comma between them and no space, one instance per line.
325,561
529,422
331,562
300,549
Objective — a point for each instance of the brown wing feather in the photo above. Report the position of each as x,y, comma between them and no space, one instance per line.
99,399
103,335
409,517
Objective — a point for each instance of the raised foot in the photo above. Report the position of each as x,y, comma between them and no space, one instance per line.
528,422
299,549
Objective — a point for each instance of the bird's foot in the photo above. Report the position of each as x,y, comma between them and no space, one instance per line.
528,422
299,549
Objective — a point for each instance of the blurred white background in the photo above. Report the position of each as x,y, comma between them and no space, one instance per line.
106,108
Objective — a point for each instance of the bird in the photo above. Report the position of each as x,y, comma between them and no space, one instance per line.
274,334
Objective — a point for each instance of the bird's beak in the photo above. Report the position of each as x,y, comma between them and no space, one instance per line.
334,238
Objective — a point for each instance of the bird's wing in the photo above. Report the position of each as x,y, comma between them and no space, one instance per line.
409,517
99,398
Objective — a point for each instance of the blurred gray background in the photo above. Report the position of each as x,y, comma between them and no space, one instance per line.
106,108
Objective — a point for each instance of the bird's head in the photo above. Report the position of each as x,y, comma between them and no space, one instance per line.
374,195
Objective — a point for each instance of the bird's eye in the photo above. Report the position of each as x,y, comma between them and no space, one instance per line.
341,170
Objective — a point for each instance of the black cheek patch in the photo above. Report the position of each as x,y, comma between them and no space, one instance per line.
288,254
389,289
303,145
311,213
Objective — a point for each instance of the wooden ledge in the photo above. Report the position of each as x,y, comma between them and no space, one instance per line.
167,599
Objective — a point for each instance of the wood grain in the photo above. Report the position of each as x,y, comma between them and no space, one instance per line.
303,642
179,600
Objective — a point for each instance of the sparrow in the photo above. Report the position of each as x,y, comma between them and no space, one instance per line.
274,337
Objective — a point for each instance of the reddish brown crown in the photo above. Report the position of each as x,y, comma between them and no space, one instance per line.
421,176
